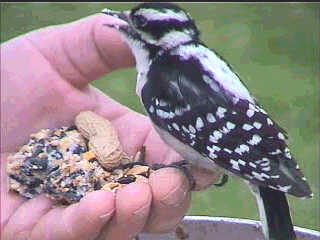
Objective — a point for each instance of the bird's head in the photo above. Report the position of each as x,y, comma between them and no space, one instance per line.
158,25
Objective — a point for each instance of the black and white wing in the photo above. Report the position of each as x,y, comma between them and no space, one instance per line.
224,124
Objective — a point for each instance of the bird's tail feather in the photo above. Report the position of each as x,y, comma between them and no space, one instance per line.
274,214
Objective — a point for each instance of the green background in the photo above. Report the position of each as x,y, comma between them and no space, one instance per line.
275,49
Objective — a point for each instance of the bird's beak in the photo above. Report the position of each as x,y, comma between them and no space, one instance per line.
124,16
121,15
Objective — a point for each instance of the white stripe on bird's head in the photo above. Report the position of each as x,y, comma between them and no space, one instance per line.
161,15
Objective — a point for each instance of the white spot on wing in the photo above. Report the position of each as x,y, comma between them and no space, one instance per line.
244,147
256,139
225,130
257,125
185,129
272,187
151,109
241,149
220,112
275,176
265,162
252,165
247,127
227,150
237,150
265,176
250,113
164,114
178,111
284,188
287,153
267,169
213,139
199,124
212,151
213,148
217,134
192,129
243,163
211,118
235,164
262,110
175,126
230,125
212,155
281,136
275,152
258,176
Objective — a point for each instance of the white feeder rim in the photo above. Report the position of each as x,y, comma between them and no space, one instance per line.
242,221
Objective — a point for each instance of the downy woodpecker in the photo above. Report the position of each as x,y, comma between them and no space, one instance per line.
199,106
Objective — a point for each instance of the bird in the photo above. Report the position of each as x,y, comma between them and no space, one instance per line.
201,108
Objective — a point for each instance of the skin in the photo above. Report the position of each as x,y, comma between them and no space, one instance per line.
45,78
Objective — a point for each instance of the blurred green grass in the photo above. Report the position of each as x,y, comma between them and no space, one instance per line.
275,49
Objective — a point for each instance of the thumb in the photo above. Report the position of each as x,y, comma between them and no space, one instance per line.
84,50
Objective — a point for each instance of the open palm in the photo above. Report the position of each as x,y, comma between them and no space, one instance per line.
44,84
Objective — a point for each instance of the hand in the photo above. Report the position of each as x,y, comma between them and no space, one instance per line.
44,84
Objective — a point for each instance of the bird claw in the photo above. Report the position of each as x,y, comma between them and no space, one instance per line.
179,165
223,181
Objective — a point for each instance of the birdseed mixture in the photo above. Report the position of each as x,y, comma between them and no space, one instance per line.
60,163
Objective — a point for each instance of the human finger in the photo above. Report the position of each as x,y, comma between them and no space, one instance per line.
132,209
10,201
25,218
82,220
171,199
79,52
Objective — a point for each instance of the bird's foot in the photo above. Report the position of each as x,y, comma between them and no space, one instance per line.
223,181
182,165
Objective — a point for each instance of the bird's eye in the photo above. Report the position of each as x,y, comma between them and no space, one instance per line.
140,21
